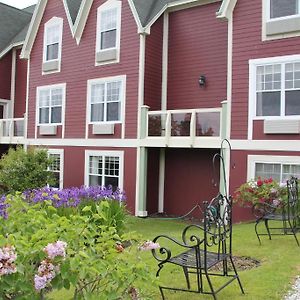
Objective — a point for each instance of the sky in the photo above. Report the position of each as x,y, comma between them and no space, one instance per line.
19,3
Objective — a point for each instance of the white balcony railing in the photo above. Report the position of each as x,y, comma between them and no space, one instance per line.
184,125
11,129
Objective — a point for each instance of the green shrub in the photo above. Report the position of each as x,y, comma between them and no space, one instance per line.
21,170
97,264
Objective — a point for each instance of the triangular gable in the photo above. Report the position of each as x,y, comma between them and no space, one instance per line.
77,15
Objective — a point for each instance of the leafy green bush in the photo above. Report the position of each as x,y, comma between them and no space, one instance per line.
21,170
97,265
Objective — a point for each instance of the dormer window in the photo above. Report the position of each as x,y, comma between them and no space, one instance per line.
108,32
52,45
283,8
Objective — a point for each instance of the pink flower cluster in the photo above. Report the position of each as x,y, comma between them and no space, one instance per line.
46,272
56,249
47,269
7,259
149,245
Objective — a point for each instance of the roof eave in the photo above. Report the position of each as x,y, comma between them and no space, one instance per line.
33,29
10,47
226,9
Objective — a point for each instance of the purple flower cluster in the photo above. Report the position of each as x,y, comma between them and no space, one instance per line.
47,269
7,259
72,197
3,207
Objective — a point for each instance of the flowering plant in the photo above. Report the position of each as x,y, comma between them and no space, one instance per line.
260,191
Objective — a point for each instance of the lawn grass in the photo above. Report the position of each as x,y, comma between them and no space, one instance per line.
280,262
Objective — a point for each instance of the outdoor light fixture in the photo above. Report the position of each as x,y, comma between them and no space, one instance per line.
202,80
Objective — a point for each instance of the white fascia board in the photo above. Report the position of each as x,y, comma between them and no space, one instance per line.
33,28
69,16
226,9
136,16
81,19
10,47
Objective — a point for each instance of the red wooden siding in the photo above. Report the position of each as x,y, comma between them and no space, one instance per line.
152,180
5,76
247,44
197,46
74,168
188,180
153,66
78,66
21,84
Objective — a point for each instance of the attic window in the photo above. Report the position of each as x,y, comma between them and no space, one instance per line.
108,32
52,44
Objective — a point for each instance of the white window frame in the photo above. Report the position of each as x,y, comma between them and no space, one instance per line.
268,12
51,23
282,160
59,152
253,64
51,87
108,5
106,80
120,154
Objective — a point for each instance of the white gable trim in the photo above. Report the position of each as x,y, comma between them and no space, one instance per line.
69,16
33,28
226,9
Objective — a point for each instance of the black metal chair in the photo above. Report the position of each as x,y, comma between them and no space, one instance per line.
205,251
288,214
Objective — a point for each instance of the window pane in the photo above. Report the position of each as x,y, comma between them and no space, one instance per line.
52,51
282,8
44,98
113,110
44,116
268,104
95,166
56,97
113,91
97,112
95,180
53,34
265,170
113,181
108,39
55,165
112,166
292,103
109,19
97,93
56,114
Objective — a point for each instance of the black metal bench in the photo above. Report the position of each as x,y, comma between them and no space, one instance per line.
288,214
206,251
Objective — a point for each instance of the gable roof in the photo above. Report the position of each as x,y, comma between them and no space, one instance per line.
73,7
14,24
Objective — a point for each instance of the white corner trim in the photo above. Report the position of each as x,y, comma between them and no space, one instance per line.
67,11
165,52
136,16
226,9
11,46
13,83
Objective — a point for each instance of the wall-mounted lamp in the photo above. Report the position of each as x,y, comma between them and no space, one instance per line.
202,80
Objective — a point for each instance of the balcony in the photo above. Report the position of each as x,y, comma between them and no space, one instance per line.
12,131
201,128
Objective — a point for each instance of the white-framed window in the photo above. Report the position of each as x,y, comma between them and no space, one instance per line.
274,87
57,166
53,40
280,168
108,32
104,168
106,98
50,104
283,8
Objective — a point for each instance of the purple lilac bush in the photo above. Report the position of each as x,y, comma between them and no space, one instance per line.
69,197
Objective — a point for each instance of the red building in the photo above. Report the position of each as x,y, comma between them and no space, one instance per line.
139,94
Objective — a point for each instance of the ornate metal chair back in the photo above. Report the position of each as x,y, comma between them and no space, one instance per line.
293,205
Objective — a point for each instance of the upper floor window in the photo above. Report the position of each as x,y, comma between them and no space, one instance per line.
283,8
50,100
277,88
106,98
52,44
108,32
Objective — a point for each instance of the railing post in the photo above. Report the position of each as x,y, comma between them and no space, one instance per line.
168,127
144,121
193,127
1,129
11,128
223,129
